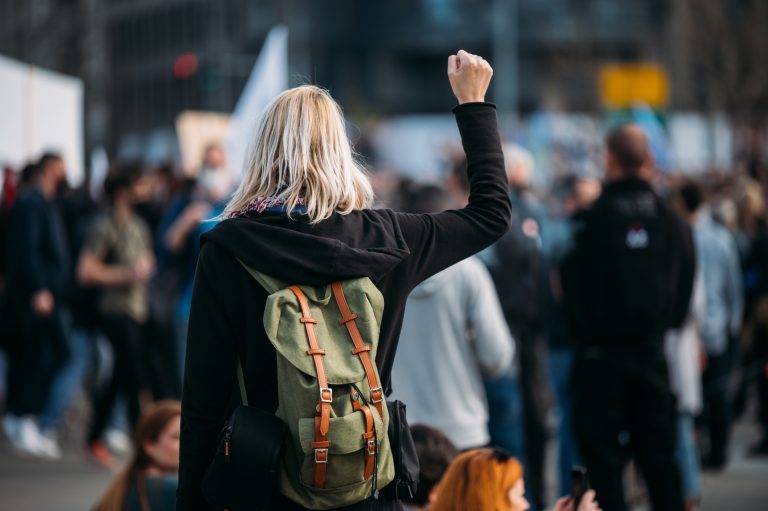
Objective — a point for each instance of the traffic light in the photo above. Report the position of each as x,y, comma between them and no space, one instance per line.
185,65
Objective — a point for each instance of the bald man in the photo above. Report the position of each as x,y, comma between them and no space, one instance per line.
627,280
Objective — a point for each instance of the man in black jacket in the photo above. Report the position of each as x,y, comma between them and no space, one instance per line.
37,272
628,279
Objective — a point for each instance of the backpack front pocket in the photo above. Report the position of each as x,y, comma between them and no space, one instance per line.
346,454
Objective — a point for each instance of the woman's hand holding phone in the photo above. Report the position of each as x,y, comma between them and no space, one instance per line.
588,503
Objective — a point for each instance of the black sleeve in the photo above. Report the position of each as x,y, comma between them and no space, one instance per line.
209,376
28,234
686,270
439,240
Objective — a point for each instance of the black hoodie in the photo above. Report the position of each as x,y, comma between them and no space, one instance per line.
629,276
396,250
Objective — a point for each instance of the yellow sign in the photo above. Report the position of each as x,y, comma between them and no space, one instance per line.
622,85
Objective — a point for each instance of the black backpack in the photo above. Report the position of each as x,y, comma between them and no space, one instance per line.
518,269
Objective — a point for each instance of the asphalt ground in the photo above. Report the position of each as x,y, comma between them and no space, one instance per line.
74,484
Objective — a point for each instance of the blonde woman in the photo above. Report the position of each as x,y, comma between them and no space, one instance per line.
302,214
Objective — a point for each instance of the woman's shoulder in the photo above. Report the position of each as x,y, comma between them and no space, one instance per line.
161,492
162,483
216,264
213,253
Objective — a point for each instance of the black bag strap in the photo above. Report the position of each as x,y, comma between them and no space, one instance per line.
241,382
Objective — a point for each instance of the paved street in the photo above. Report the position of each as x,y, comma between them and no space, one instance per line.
73,484
744,485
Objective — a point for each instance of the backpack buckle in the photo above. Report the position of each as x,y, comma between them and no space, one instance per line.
326,395
323,456
376,391
371,447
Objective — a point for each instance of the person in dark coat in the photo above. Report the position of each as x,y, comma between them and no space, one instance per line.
518,267
627,281
301,214
37,271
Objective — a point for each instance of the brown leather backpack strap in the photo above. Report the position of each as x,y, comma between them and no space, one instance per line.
320,447
323,410
369,437
361,349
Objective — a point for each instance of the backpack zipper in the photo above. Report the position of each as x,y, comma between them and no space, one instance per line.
227,433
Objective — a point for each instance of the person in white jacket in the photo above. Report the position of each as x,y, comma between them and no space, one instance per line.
684,350
453,332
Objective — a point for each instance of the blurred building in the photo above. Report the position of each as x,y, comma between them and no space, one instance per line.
144,61
543,50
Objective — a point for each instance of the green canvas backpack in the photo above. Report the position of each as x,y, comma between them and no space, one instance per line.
329,391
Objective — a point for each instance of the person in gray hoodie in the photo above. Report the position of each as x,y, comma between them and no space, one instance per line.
453,332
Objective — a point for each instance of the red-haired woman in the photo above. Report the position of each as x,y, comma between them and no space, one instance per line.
490,480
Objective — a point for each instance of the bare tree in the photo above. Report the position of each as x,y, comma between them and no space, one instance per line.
728,46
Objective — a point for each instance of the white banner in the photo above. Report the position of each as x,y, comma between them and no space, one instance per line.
268,78
40,111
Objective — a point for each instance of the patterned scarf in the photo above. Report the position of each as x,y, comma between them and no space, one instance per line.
262,204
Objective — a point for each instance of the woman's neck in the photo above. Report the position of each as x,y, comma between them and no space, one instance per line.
155,471
122,210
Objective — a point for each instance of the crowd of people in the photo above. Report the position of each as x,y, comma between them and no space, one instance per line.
624,319
96,295
617,356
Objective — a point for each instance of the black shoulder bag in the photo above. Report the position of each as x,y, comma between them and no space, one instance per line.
404,453
244,470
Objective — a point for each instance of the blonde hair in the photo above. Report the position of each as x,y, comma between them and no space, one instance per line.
301,156
478,479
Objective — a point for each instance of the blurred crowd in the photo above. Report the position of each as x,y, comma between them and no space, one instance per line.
95,291
511,298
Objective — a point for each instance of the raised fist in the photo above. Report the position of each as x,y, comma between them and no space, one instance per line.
470,76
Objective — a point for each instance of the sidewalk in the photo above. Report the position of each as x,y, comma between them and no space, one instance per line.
73,484
744,484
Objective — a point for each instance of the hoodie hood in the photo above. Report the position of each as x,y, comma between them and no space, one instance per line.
364,243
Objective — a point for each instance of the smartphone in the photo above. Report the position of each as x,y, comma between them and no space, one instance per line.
579,485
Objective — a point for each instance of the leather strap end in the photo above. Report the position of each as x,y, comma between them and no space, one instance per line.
320,473
325,418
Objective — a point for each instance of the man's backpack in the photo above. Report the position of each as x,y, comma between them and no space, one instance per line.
329,392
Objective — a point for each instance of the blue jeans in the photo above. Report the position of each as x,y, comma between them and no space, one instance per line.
505,415
561,365
506,424
687,455
68,380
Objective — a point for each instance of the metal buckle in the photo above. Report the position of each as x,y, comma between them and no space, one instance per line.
371,447
373,391
323,451
322,395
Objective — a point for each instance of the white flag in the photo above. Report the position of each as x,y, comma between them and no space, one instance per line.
269,78
99,170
